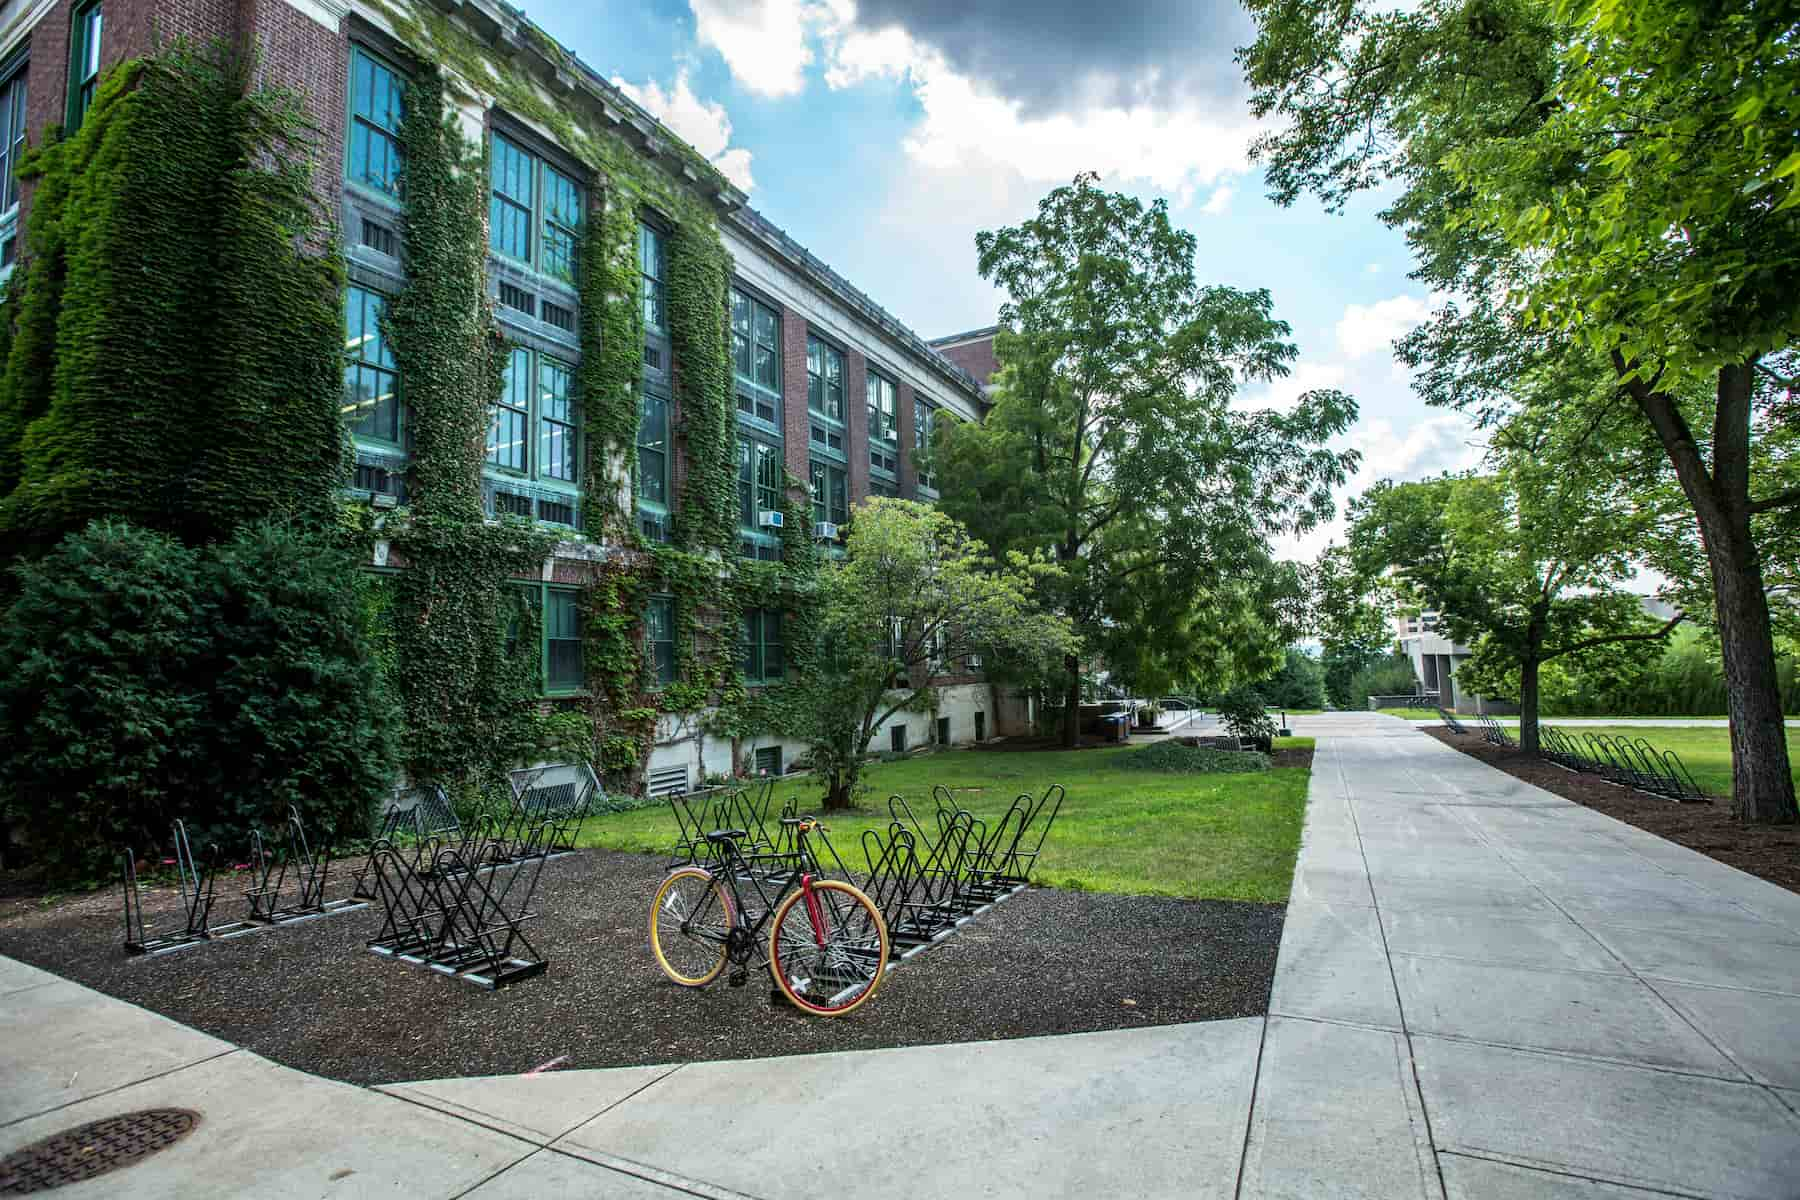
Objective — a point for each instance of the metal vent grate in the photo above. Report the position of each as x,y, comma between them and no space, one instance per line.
557,315
380,238
509,504
94,1149
668,781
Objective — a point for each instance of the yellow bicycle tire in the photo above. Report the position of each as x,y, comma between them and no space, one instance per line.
656,903
781,982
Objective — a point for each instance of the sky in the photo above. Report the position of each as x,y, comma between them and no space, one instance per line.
883,134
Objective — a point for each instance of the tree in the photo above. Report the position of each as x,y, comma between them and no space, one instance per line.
1113,446
1613,186
1350,616
1299,684
914,593
1523,563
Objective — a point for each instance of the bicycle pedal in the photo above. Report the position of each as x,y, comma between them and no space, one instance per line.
739,977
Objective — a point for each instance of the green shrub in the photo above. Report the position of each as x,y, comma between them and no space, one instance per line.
142,680
1243,714
1194,760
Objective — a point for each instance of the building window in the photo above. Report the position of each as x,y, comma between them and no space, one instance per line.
512,415
653,449
376,94
824,380
12,137
528,196
756,357
651,267
371,380
884,424
883,487
924,427
830,494
562,640
535,386
659,638
557,613
759,482
84,61
759,646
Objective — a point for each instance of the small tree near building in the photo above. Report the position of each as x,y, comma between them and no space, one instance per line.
914,595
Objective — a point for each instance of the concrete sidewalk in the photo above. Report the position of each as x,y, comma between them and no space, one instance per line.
1483,991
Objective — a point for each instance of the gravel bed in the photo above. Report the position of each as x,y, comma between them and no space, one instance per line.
311,996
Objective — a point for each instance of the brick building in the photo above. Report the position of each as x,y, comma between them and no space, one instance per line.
829,387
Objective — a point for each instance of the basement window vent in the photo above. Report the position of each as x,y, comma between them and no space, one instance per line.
507,504
380,238
555,512
557,315
518,298
669,781
378,481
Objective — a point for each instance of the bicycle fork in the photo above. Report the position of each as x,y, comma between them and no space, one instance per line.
814,912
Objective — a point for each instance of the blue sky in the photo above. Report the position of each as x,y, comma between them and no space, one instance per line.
883,134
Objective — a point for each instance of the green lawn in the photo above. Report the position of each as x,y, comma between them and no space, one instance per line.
1411,714
1705,751
1230,837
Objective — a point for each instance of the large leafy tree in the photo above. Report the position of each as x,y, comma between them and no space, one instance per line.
1350,615
1526,562
913,595
1113,446
1609,190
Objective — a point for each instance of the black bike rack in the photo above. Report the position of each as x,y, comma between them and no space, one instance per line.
309,869
1449,719
1619,759
459,908
197,882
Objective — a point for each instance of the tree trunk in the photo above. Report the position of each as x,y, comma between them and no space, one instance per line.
1761,784
1528,705
1528,684
837,794
1072,709
1760,780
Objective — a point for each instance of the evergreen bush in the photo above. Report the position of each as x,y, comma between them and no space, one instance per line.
142,680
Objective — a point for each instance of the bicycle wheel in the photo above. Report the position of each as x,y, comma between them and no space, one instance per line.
690,918
831,957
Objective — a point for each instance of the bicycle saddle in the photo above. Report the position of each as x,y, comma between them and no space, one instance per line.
720,835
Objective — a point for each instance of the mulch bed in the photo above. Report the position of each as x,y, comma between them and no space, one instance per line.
310,996
1768,852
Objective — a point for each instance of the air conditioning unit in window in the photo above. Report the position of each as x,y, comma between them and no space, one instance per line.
771,520
825,531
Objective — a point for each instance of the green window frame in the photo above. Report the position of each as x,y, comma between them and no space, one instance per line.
556,611
652,266
653,450
562,640
85,26
759,482
824,380
659,638
534,210
924,427
377,99
12,137
372,404
884,423
507,441
536,392
830,493
756,357
760,655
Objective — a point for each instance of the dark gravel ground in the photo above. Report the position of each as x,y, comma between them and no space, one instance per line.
1770,852
310,995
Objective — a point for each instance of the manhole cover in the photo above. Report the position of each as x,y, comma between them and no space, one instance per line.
94,1149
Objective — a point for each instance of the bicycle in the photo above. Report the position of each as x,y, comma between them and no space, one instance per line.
827,948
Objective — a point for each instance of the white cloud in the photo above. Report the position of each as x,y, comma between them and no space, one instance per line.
704,125
763,41
1372,328
1218,202
965,124
1284,394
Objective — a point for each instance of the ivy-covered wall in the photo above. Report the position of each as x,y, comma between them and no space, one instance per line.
174,353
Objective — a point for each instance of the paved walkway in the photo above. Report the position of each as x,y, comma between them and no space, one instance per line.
1483,991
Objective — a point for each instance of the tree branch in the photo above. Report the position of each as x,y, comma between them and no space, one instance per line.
1787,499
1607,640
